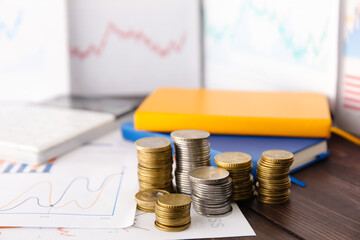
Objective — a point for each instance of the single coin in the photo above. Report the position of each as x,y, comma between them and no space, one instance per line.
146,209
149,197
277,155
232,159
175,200
207,175
152,144
185,135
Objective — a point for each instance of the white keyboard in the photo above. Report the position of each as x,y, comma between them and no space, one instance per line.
37,133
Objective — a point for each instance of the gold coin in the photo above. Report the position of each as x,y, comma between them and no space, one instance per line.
146,209
272,201
166,214
172,212
174,222
232,159
169,188
153,144
174,201
277,156
154,156
149,197
171,229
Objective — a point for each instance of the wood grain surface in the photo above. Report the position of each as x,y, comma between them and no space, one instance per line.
327,208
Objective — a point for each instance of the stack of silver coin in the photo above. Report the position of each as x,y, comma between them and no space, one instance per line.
192,150
212,190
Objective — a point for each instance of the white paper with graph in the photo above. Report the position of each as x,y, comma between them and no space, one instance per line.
347,113
267,45
91,187
34,59
132,47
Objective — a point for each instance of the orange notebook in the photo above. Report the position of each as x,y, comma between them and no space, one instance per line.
290,114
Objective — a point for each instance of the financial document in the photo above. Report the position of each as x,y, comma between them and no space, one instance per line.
234,224
91,187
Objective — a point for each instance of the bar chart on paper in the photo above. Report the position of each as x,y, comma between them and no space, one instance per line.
132,47
348,102
271,45
9,168
73,191
33,51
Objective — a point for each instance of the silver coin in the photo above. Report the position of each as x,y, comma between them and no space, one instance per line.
188,135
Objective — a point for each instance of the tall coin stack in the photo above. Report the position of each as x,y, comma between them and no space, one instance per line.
272,172
239,166
172,212
192,150
155,163
212,190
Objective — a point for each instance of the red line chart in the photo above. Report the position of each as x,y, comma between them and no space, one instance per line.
113,30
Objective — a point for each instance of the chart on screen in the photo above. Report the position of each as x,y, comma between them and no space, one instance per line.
348,102
133,47
272,45
34,57
75,190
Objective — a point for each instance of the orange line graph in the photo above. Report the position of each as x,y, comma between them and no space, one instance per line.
138,36
93,203
26,191
51,204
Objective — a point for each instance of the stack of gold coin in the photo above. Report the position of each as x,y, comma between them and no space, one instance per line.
239,166
272,172
172,212
155,163
146,199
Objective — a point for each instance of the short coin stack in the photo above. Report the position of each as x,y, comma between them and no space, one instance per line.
274,183
192,150
172,212
212,190
146,199
155,163
239,166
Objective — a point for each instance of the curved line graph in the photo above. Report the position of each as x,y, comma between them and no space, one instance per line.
10,32
138,36
298,51
53,205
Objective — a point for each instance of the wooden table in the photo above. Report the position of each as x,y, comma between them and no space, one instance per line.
327,208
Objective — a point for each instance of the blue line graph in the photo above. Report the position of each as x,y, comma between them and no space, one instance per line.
11,30
238,33
57,202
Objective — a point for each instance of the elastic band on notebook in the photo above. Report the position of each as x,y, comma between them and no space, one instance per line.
297,182
346,135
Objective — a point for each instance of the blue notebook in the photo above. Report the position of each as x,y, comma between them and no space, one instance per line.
306,150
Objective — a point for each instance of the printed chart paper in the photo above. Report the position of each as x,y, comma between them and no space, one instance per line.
91,187
231,225
133,47
347,112
272,45
34,59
